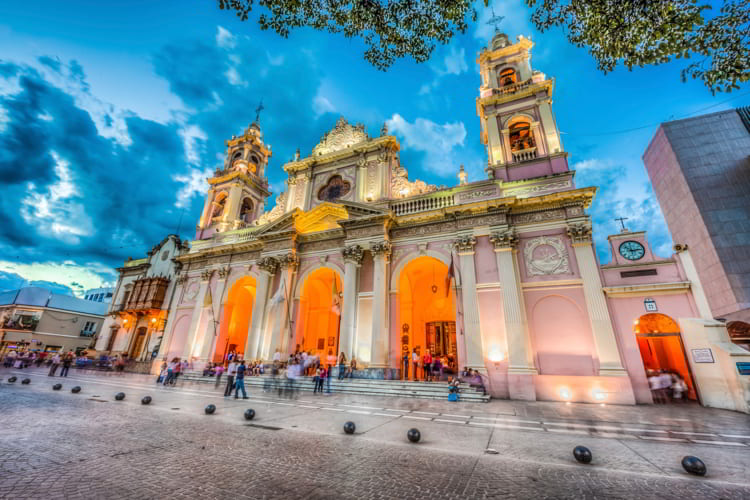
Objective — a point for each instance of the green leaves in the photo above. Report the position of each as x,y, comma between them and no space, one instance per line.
632,32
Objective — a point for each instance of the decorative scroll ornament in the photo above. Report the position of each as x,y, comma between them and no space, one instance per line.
276,212
546,255
206,274
465,244
381,248
340,137
401,187
353,253
504,240
224,272
268,264
580,233
288,261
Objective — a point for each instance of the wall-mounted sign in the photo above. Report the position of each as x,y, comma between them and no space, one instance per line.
702,355
743,368
650,305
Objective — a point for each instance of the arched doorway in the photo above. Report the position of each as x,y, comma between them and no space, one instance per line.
138,343
319,316
427,314
661,349
236,319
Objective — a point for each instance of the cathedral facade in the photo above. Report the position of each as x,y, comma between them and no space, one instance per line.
499,275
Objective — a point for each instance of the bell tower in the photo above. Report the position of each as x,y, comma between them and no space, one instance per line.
238,192
515,109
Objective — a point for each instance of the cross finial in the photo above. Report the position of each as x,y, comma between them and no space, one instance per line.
258,110
495,20
622,220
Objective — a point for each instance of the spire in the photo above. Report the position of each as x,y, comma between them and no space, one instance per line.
462,176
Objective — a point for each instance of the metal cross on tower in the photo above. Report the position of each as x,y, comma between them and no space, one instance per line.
622,220
495,20
258,110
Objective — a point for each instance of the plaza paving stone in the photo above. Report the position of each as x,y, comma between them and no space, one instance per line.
62,445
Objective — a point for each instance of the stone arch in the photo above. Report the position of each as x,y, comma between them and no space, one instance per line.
445,259
515,117
561,337
180,331
318,317
301,278
236,317
506,75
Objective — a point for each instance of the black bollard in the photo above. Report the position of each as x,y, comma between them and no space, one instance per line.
349,427
146,400
120,396
210,409
414,435
12,379
694,465
249,414
582,454
57,387
76,389
26,381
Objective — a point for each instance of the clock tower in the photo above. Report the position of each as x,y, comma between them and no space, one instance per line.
630,248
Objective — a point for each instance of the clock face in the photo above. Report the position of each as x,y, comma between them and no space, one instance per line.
632,250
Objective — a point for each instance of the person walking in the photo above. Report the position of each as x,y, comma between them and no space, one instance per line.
330,363
239,381
427,364
66,361
322,374
219,373
231,372
405,360
53,366
342,365
415,362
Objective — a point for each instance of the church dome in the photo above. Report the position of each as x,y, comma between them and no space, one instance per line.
499,41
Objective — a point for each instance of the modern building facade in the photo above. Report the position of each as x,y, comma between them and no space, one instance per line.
36,319
498,275
700,171
103,295
142,296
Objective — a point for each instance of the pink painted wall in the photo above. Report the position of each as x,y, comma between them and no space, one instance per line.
494,343
485,261
615,390
561,336
365,274
665,273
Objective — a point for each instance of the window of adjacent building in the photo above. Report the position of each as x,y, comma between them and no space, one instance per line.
520,136
334,189
507,77
109,294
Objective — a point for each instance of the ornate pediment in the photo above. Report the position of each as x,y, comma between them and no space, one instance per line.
321,218
342,136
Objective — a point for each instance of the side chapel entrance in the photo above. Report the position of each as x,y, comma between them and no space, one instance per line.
319,318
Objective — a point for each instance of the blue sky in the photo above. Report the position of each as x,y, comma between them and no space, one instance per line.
113,113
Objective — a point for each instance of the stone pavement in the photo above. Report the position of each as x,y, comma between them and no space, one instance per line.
62,445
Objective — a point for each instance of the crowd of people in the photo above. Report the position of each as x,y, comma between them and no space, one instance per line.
55,360
432,368
667,386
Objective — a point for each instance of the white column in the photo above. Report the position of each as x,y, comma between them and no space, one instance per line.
212,330
280,335
187,351
169,327
520,357
472,332
205,219
380,335
352,260
601,323
268,266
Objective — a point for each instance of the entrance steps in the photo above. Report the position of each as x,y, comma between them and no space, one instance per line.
365,387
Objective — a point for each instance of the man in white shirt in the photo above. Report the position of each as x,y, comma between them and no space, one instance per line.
55,364
277,356
415,362
231,372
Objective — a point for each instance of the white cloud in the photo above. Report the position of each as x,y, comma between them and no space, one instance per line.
233,77
321,105
77,277
54,212
190,137
225,39
454,62
194,182
3,119
439,142
275,61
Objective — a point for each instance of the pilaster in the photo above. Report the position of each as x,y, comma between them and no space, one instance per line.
180,281
187,350
601,323
268,267
211,334
472,331
352,261
381,252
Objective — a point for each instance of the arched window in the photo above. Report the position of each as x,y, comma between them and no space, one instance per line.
520,136
218,205
335,188
507,77
237,156
246,211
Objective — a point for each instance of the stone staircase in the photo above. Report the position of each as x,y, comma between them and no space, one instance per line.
365,387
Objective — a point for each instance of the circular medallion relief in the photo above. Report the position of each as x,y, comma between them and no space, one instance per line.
546,258
192,290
